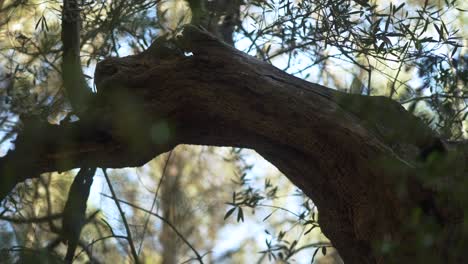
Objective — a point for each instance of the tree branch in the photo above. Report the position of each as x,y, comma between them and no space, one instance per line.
74,212
39,219
72,74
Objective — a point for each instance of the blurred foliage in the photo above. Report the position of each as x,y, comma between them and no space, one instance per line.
412,51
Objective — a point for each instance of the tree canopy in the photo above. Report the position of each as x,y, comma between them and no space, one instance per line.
360,104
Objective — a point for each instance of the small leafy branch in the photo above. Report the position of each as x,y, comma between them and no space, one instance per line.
281,249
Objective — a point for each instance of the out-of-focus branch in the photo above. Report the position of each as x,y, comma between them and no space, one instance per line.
74,213
39,219
72,74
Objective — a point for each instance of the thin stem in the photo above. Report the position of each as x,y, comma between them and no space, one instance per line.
85,248
198,256
39,219
124,219
154,201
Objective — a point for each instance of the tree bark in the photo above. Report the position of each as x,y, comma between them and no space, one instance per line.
354,156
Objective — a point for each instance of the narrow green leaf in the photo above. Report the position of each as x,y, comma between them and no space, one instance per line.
438,31
312,228
108,226
268,216
387,24
398,8
37,23
324,251
45,24
454,51
240,215
315,254
229,212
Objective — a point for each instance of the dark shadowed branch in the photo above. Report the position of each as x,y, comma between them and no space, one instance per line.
73,78
74,212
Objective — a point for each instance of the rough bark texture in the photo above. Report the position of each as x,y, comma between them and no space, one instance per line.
339,149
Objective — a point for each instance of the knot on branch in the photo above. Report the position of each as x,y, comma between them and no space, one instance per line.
164,48
198,40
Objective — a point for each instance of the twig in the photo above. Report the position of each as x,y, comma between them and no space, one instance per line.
86,247
39,219
199,257
124,219
154,202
